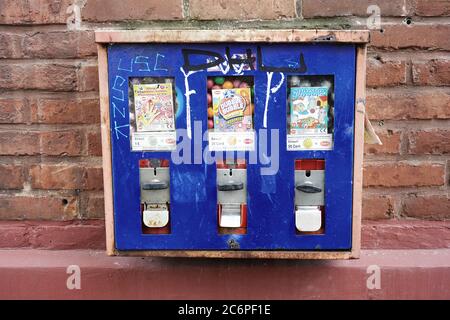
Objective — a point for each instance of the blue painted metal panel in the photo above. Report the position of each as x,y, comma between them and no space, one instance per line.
271,223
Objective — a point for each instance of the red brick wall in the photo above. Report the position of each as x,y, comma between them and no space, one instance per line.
50,150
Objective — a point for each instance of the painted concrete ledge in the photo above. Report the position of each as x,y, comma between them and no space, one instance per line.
404,274
90,234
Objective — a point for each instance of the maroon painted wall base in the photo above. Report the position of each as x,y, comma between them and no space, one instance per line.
404,274
90,234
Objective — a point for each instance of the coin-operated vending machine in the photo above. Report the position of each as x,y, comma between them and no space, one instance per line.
233,143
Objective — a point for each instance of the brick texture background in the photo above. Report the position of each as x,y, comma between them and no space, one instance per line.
50,151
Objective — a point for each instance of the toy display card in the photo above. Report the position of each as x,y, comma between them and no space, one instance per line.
154,108
309,110
232,110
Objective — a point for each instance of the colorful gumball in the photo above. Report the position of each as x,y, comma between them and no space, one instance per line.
219,80
236,83
243,85
209,98
210,124
228,85
209,83
216,87
295,81
210,113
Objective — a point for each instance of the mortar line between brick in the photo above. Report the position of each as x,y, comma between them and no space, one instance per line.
30,93
404,191
53,127
76,62
299,8
186,9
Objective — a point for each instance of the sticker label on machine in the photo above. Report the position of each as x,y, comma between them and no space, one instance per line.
231,141
309,142
141,141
